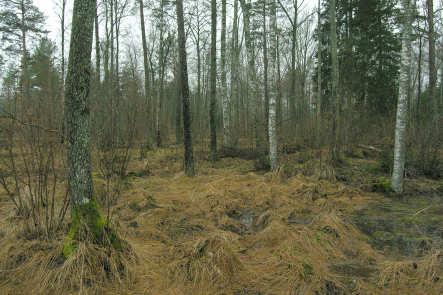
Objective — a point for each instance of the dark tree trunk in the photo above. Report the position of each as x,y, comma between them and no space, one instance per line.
85,210
145,59
183,78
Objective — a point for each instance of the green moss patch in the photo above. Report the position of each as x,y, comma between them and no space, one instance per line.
88,224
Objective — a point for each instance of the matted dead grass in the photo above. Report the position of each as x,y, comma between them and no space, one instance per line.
231,230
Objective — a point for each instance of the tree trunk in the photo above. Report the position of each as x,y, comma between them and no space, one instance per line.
162,65
213,102
106,49
266,69
62,27
272,123
178,102
335,151
402,105
224,91
419,88
252,86
97,44
293,95
319,74
145,59
234,70
432,67
24,83
85,210
183,76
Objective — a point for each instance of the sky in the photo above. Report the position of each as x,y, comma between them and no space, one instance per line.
49,7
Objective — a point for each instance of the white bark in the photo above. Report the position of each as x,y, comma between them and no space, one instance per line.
225,98
272,121
402,105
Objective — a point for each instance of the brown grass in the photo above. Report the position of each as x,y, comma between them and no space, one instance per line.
230,230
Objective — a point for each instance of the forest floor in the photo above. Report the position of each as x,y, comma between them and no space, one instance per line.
306,229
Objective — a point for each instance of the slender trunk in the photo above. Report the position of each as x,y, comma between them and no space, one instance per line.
319,73
106,49
97,45
161,76
272,123
117,48
252,87
25,91
402,105
419,88
112,22
265,69
62,27
293,95
432,67
183,76
279,86
178,102
213,102
199,81
234,66
334,83
145,58
224,92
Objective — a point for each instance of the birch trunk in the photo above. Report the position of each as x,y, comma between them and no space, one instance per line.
319,74
292,98
97,42
402,105
272,120
251,73
234,69
266,68
213,81
226,108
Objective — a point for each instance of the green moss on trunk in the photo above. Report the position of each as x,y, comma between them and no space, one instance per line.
88,224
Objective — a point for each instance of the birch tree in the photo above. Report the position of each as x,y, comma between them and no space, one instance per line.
252,94
226,105
402,104
272,123
235,59
213,82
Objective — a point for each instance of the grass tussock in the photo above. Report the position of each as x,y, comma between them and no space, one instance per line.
208,263
232,230
40,266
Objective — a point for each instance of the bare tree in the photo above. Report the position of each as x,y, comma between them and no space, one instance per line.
402,105
183,70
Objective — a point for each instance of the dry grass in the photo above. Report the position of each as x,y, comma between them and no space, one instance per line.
229,230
